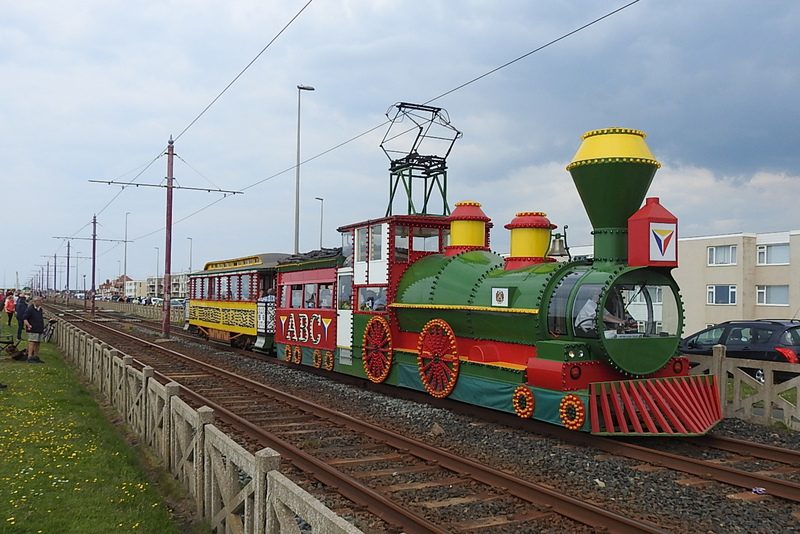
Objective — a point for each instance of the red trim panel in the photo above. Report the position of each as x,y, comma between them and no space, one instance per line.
309,328
308,277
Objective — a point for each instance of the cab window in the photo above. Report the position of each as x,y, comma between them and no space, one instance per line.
372,298
361,244
375,242
401,244
345,292
557,318
426,240
347,248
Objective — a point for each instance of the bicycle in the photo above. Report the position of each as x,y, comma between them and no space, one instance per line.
49,330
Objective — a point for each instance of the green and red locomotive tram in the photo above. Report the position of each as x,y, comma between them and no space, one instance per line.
419,301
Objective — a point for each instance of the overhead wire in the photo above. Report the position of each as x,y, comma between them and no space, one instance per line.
192,122
366,132
537,49
213,101
285,27
461,86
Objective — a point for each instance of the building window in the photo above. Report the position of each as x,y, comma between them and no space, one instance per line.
721,294
773,295
772,254
722,255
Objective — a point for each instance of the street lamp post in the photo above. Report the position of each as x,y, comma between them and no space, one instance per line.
125,248
190,254
321,205
300,89
156,284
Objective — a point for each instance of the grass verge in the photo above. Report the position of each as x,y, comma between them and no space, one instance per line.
65,466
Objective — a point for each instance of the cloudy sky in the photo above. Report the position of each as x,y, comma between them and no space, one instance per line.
93,90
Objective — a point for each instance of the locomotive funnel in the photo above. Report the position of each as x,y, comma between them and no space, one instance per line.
612,170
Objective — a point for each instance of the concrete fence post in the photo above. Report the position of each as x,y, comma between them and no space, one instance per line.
266,460
718,369
205,417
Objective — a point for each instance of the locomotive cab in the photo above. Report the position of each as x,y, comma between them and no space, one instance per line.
631,320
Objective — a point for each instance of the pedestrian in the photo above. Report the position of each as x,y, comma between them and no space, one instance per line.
22,305
34,324
9,306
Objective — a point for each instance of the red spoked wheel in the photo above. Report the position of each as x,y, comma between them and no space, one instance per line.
317,358
328,364
377,352
298,354
437,360
572,412
287,353
523,402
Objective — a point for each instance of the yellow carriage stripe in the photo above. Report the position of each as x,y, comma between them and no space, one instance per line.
462,307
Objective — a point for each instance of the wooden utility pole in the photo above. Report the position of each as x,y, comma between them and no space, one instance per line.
166,306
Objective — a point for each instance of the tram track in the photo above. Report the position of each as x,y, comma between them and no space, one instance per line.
515,503
706,471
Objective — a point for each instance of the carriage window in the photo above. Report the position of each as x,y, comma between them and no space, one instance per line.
347,248
297,296
245,283
212,288
361,244
401,244
426,240
326,296
310,296
345,292
285,296
236,283
375,242
222,287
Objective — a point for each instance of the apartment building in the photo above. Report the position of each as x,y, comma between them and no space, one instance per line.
739,276
179,286
135,289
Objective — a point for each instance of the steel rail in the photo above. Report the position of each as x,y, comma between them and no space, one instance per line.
749,448
774,486
537,494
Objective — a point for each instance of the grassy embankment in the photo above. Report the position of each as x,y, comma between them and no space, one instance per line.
64,467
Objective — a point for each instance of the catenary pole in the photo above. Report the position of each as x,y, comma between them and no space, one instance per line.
166,305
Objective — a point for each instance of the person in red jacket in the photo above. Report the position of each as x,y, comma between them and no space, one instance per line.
10,305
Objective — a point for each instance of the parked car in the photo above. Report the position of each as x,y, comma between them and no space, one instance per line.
759,339
156,301
177,303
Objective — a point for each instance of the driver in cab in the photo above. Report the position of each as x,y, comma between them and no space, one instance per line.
584,321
